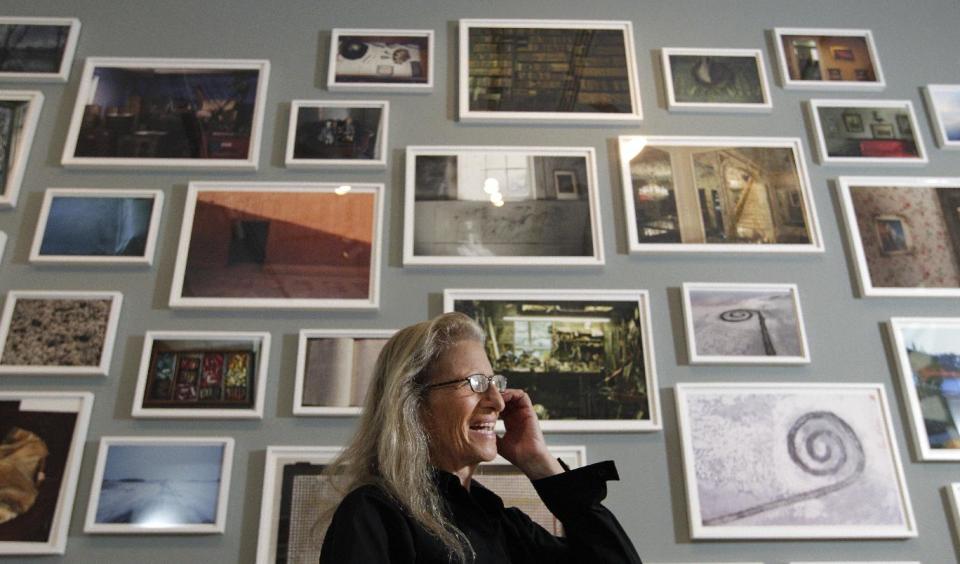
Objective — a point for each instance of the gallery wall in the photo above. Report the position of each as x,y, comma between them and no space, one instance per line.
848,342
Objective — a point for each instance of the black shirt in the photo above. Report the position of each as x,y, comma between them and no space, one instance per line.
369,527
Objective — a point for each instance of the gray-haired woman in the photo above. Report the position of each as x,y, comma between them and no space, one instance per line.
427,423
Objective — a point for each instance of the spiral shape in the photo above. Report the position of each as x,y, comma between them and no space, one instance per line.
823,444
737,315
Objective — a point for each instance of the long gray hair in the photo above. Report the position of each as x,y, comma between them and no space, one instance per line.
391,448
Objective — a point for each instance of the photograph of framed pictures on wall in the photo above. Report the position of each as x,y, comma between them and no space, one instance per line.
791,461
61,333
399,60
891,137
715,80
279,245
904,234
585,356
168,113
561,70
110,226
744,324
943,107
828,59
729,194
160,485
42,444
19,114
508,206
202,375
335,368
339,133
37,49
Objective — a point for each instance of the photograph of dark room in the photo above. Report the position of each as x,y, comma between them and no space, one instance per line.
828,58
333,133
32,48
867,132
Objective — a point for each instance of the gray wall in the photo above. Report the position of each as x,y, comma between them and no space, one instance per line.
917,45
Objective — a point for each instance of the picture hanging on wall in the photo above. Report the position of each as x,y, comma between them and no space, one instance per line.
798,461
953,494
744,324
37,49
279,245
110,226
584,356
828,59
399,60
719,80
337,134
19,114
62,333
3,244
160,485
296,494
891,137
535,70
943,107
928,362
334,369
506,206
202,374
904,234
723,194
42,444
168,113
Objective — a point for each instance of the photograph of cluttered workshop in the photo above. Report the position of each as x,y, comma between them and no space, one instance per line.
828,59
37,49
19,113
337,134
890,138
367,60
943,107
720,80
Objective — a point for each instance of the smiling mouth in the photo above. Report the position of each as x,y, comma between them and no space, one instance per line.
485,428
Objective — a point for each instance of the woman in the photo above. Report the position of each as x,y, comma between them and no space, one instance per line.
427,423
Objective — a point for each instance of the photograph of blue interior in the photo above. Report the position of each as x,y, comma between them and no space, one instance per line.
97,226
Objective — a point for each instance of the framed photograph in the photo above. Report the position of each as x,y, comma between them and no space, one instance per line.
295,493
37,49
202,375
61,333
19,113
110,226
279,245
42,444
584,356
168,113
928,364
505,206
828,59
744,324
721,80
943,107
852,121
399,60
335,368
343,133
791,461
3,244
160,485
953,494
882,143
535,70
904,234
718,194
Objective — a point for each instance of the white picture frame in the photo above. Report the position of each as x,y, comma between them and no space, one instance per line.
675,104
633,114
819,455
777,329
941,101
360,82
794,208
454,235
356,261
62,72
301,405
138,470
219,150
108,321
31,102
147,233
826,156
790,77
643,343
378,160
253,343
865,246
3,244
57,404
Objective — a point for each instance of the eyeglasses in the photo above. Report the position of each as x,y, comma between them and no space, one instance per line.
478,382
